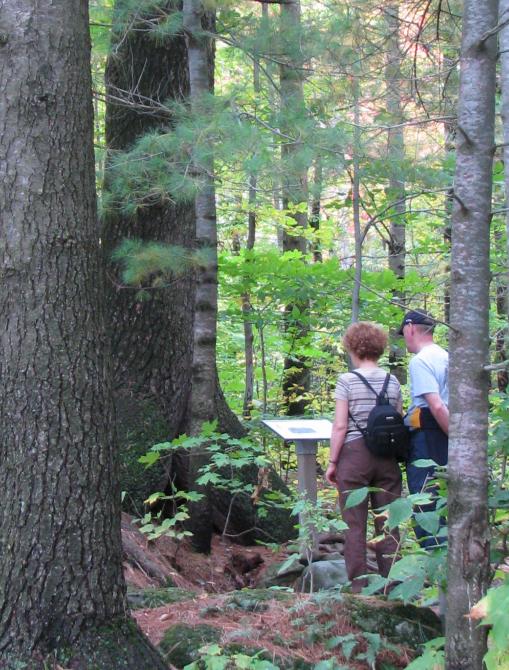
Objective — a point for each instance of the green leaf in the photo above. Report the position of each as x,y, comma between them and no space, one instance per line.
154,497
424,463
399,511
329,664
209,428
376,582
348,645
428,521
208,478
149,458
408,589
432,658
192,496
356,496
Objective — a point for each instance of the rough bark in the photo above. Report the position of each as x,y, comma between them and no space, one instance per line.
502,289
294,191
468,556
152,341
60,575
396,190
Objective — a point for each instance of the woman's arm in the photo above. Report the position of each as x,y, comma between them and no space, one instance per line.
339,428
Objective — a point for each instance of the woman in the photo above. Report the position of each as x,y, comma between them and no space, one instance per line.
352,465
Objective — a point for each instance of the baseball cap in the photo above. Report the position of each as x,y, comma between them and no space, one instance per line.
417,316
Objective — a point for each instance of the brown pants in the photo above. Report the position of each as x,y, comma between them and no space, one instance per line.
358,467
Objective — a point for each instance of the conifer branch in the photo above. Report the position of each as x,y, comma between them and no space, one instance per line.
495,367
459,201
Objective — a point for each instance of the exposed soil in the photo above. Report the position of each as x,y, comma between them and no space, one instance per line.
226,568
284,631
283,628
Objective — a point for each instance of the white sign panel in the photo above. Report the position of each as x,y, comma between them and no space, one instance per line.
300,429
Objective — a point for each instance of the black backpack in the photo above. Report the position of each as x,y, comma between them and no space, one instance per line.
385,434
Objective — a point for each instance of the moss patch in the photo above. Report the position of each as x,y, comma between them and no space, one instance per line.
253,600
181,644
150,598
404,624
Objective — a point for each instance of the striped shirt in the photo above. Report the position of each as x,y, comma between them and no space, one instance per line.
361,400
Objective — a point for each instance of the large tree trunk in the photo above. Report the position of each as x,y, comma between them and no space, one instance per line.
468,556
60,574
152,341
294,189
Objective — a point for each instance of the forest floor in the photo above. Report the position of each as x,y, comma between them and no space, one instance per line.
298,627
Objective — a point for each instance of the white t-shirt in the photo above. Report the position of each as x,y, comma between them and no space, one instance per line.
429,373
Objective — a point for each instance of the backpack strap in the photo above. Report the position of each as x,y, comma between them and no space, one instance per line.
383,392
363,431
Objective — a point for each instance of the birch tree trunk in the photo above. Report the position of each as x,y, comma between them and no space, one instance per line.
396,190
203,371
61,579
295,191
468,556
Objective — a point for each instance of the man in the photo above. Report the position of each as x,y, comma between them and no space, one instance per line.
428,416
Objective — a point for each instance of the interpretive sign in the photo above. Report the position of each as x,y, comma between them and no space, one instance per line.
300,429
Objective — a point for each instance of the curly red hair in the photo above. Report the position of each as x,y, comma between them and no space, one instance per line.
366,340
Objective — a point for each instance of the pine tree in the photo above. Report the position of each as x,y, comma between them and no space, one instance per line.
61,557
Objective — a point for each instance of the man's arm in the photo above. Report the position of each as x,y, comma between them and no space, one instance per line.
339,428
439,410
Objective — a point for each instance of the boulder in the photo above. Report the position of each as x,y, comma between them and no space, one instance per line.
322,575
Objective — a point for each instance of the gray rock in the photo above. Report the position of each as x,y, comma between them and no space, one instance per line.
322,575
278,574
